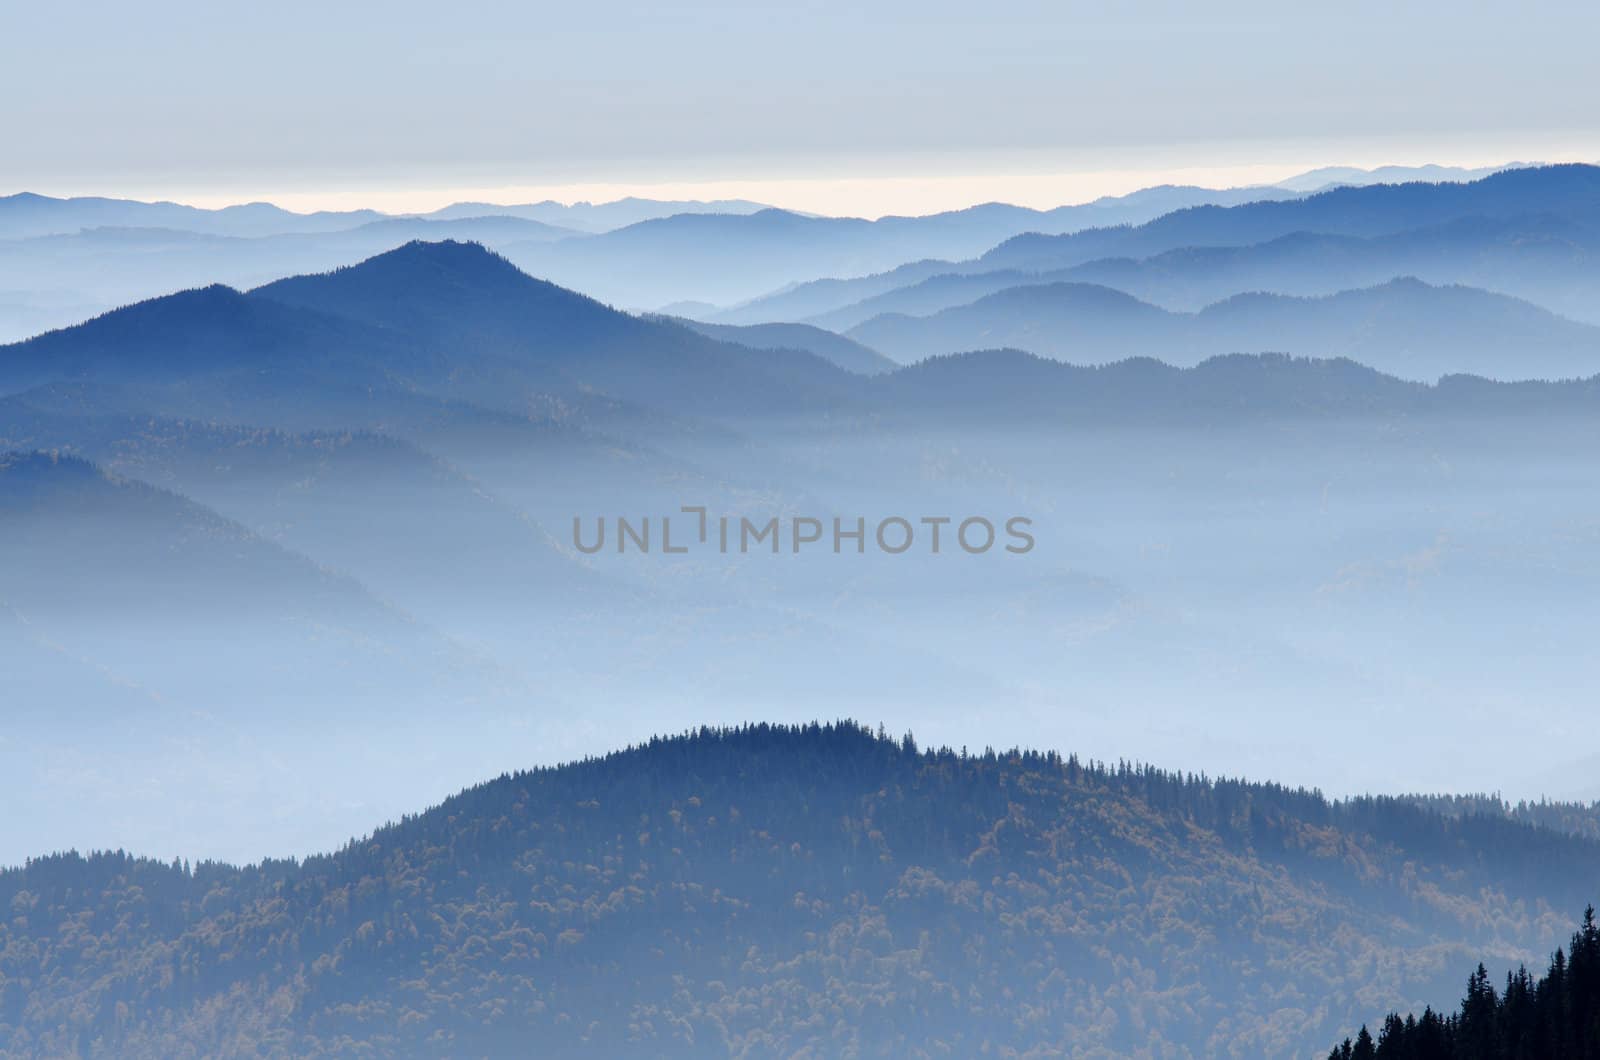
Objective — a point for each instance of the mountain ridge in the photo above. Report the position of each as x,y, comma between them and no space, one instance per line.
918,858
1403,327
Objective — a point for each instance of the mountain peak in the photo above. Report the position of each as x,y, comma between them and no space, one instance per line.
423,286
444,252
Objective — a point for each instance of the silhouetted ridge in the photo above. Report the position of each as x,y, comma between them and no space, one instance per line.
1404,327
1564,190
450,320
1552,1017
205,330
465,295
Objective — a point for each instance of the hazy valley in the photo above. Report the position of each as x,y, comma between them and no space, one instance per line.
294,511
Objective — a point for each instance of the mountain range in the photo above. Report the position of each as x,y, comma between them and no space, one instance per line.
292,560
1404,328
429,425
401,319
1528,232
1543,260
62,260
452,321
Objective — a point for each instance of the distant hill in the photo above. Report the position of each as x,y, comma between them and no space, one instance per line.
808,301
58,280
410,527
847,354
27,214
596,217
445,320
1097,323
1535,239
154,569
213,330
1405,328
784,890
432,333
726,259
1011,387
925,297
1548,261
1567,191
1319,179
497,321
1413,330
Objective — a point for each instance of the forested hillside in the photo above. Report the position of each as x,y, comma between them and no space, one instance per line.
774,890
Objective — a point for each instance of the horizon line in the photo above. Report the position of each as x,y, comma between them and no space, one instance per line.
843,197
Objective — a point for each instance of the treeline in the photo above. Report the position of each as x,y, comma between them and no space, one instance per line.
1555,1017
1578,818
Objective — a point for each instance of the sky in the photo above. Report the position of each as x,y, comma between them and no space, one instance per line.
890,106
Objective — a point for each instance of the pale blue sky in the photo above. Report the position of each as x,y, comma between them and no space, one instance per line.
407,103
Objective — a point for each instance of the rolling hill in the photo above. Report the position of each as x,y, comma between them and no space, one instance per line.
154,570
1571,192
441,320
1536,241
1546,260
831,346
29,214
729,258
1404,328
783,890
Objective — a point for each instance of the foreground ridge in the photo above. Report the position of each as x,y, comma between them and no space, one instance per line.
776,888
1554,1016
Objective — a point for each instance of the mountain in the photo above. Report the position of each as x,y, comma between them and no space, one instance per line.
436,320
787,890
171,671
808,301
1320,179
597,217
847,354
1192,258
1012,387
153,570
1541,259
924,297
1096,323
1413,330
489,229
723,257
504,326
728,258
1544,260
1405,328
60,279
412,423
410,527
28,214
214,330
1571,192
